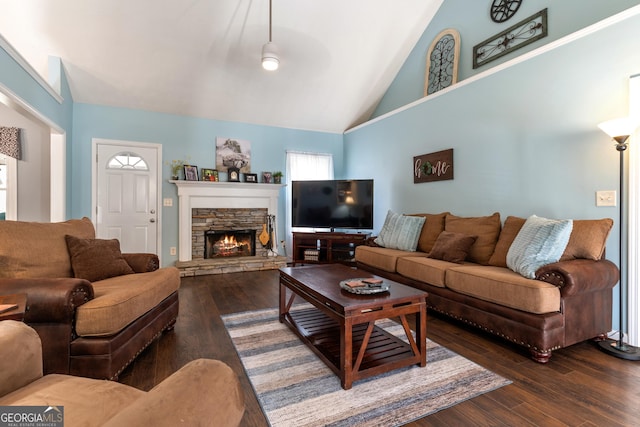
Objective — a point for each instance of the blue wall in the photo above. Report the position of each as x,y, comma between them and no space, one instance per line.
525,138
184,138
474,25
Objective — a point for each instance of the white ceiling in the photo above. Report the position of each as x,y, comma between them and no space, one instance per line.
202,57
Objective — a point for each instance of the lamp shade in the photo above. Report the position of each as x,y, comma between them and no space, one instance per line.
618,127
270,59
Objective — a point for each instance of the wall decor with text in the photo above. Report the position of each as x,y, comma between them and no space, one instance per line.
431,167
521,34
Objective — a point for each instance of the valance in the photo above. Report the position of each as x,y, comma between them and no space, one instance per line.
10,142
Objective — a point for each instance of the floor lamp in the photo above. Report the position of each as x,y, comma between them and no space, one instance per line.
620,130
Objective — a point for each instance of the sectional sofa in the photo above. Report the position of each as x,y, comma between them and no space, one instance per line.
563,303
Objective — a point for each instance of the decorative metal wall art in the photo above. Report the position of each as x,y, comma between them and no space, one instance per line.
431,167
442,61
523,33
502,10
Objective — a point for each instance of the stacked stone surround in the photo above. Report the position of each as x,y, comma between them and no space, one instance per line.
204,219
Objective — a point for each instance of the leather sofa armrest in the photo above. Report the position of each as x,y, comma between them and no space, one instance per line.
20,356
142,263
49,300
202,392
580,275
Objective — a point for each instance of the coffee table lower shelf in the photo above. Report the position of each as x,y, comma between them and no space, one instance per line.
322,334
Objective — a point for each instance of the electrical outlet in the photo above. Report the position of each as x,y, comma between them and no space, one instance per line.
167,202
606,198
172,250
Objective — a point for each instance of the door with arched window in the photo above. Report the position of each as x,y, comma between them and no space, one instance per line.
127,195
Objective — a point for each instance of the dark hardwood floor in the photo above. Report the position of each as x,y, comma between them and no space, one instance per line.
581,386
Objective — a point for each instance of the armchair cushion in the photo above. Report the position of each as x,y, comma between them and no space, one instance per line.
22,260
96,259
120,300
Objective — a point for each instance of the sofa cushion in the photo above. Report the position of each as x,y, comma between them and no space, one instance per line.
25,244
487,228
429,270
400,232
120,300
539,242
96,259
510,230
98,403
383,258
433,226
452,247
588,239
502,286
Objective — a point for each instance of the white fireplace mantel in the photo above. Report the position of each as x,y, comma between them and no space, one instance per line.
211,195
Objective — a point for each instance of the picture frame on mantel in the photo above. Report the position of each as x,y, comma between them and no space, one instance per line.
233,174
190,173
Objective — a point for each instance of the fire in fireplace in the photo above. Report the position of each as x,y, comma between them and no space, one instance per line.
229,243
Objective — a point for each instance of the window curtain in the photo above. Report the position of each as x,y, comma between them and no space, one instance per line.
10,142
304,167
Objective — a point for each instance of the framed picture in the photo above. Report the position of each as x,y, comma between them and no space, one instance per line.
250,177
233,174
266,177
190,173
233,153
208,174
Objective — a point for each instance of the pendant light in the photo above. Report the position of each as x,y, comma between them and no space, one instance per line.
270,59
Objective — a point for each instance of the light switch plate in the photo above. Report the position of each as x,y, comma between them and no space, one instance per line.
606,198
167,202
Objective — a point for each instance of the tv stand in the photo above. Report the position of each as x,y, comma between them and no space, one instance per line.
326,247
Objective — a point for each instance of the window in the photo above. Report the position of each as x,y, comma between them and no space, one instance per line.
304,167
127,161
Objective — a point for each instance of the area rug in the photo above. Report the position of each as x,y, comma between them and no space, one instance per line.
295,388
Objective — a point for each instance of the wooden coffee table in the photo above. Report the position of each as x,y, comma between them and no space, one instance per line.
340,327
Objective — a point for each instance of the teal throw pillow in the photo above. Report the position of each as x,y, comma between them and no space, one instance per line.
539,242
400,232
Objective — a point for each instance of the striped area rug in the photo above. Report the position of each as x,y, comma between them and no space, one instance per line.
295,388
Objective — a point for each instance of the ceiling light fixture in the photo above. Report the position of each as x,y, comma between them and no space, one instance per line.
270,59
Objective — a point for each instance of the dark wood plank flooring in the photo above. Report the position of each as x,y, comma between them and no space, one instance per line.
581,386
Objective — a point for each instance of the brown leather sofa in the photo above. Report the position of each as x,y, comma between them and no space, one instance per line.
203,392
94,308
568,301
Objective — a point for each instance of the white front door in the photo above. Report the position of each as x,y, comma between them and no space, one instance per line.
127,195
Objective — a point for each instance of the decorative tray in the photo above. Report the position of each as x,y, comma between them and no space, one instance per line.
361,287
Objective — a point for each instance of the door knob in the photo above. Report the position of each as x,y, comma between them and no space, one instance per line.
152,220
152,211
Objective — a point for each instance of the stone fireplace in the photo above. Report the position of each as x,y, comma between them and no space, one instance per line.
213,232
216,206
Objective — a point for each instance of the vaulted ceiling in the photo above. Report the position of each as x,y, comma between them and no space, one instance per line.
201,58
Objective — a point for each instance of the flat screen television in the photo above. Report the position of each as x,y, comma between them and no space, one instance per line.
332,204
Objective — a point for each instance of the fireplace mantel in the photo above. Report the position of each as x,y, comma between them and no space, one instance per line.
203,194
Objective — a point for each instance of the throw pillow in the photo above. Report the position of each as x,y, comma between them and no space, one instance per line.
539,242
433,226
96,259
452,247
588,239
487,228
400,232
510,229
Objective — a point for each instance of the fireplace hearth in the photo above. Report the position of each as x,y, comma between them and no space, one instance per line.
229,243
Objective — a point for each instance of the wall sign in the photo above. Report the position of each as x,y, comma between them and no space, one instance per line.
523,33
442,61
436,166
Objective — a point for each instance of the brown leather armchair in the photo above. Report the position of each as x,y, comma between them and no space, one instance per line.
204,392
